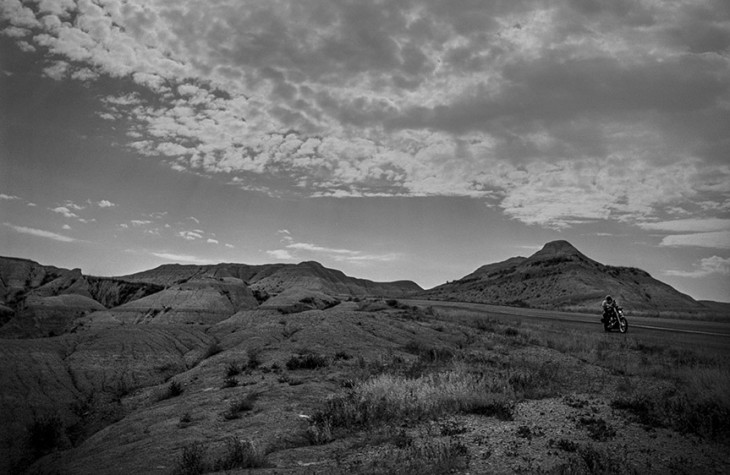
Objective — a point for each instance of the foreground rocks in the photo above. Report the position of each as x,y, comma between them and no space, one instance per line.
133,398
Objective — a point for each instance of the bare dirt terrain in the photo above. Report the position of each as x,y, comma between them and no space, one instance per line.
365,387
280,369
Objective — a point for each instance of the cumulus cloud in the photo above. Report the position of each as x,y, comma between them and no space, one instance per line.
715,240
63,210
526,105
40,233
190,235
3,196
714,265
281,255
105,204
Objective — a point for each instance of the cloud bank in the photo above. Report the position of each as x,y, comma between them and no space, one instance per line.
557,113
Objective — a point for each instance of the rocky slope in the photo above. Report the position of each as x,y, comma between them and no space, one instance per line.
561,277
273,279
78,381
202,300
39,301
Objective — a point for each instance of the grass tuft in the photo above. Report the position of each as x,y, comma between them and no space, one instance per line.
307,361
173,389
237,406
232,370
240,454
191,461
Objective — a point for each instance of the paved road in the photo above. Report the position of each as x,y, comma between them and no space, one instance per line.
710,336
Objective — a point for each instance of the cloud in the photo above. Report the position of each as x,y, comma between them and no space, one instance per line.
304,246
695,232
105,204
3,196
181,258
190,235
714,265
689,225
40,233
296,250
140,222
524,105
212,241
66,227
281,254
714,240
63,210
74,206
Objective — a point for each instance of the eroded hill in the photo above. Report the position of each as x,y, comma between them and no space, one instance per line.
40,301
561,277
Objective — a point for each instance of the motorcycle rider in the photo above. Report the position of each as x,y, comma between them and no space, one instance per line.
610,307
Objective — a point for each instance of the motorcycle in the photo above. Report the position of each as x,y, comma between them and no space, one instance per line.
616,321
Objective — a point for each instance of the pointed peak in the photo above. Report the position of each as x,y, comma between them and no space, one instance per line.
557,248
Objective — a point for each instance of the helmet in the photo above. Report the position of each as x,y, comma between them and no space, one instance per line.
609,298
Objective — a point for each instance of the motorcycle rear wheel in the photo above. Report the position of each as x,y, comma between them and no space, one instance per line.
623,325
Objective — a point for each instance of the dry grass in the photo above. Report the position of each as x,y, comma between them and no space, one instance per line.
422,456
390,398
700,381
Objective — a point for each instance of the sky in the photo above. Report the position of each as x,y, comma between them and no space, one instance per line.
395,139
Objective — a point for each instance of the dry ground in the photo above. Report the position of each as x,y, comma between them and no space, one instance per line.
381,387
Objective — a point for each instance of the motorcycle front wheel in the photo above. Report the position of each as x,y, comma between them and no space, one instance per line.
623,325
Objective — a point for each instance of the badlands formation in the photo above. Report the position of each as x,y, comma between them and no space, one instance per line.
301,369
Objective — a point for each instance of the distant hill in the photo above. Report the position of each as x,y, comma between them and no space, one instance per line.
272,279
39,301
561,277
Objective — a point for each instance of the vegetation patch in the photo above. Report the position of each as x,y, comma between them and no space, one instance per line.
564,445
536,379
239,405
428,353
173,389
420,457
389,398
240,454
706,417
307,361
598,429
191,461
232,370
253,356
500,408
